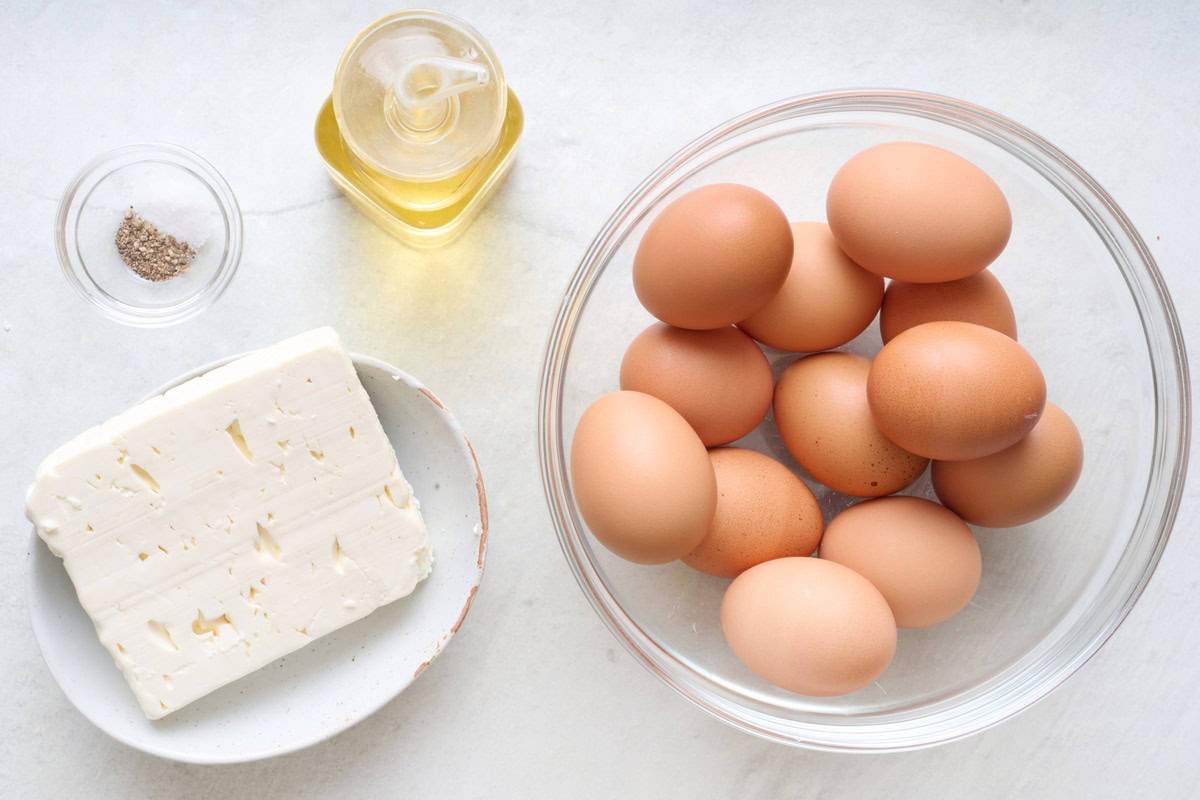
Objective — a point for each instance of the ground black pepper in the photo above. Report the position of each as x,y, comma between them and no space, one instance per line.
153,255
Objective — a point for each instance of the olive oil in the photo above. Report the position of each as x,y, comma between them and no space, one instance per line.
421,127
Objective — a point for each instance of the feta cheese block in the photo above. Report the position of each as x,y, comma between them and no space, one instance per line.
233,519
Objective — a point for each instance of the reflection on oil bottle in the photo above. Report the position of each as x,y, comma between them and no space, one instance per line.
421,127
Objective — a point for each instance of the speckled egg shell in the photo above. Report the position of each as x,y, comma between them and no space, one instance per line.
921,557
713,257
825,422
719,380
1020,483
642,478
764,511
954,391
826,300
809,626
979,299
916,212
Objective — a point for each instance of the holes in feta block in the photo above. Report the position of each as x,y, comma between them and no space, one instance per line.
157,452
121,458
317,455
167,682
239,441
387,490
251,597
339,558
121,648
265,543
70,501
204,626
285,445
283,412
90,529
145,477
164,550
161,636
143,556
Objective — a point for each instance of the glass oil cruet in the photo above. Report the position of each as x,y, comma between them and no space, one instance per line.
421,127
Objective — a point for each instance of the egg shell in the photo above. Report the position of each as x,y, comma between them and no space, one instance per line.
921,557
1019,484
764,511
719,380
826,300
713,257
809,626
918,213
642,478
825,422
955,391
979,299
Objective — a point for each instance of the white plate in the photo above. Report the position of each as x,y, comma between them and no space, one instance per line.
313,693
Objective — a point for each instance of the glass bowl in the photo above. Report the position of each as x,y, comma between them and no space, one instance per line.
1091,308
177,183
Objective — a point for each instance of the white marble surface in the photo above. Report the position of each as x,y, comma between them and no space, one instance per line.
534,697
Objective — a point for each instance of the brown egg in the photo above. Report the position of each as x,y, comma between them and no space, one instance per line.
823,417
917,213
955,391
763,512
826,300
979,299
921,557
809,626
642,478
1018,484
719,380
713,257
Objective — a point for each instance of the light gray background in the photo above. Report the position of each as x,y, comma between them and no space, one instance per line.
534,697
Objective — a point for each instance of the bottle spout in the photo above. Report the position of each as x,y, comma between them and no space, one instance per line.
426,86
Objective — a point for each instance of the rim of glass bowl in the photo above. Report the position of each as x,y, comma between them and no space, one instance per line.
1072,642
68,219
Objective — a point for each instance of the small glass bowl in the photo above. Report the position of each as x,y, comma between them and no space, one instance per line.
94,206
1091,308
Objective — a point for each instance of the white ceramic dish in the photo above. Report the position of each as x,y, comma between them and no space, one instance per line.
339,679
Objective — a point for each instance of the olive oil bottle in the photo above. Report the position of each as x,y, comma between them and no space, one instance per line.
421,127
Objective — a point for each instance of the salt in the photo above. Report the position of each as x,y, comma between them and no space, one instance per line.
176,206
